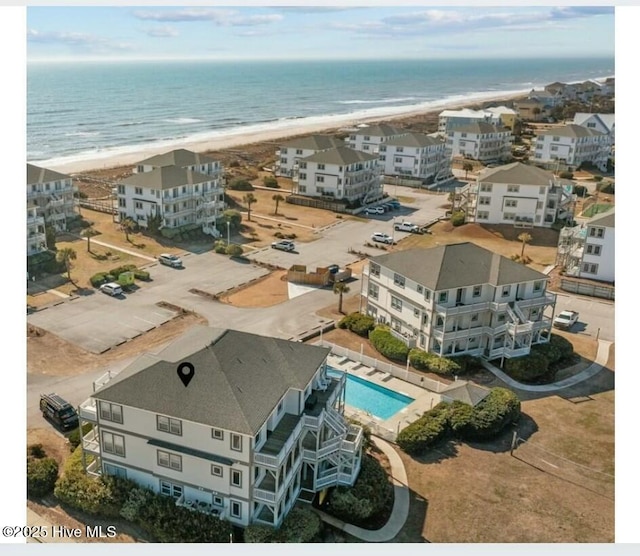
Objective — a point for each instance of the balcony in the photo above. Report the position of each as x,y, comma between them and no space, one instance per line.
94,468
279,441
88,411
91,442
546,299
463,309
507,352
515,329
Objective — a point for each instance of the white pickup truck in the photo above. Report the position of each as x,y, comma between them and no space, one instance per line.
406,227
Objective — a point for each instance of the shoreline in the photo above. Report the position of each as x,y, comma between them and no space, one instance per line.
234,139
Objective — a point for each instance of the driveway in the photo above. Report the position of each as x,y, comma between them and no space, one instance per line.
597,316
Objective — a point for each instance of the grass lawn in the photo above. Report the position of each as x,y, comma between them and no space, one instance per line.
598,208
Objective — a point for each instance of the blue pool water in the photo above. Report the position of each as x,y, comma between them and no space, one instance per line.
377,400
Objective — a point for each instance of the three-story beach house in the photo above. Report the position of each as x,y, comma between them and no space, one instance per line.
605,123
588,251
573,145
480,141
52,195
176,196
416,155
449,120
258,426
340,174
459,298
186,159
290,153
516,194
36,236
369,138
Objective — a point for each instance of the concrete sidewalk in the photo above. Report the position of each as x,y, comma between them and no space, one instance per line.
33,519
400,510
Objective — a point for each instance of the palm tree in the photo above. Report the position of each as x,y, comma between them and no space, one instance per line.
277,198
89,233
525,238
66,255
249,199
340,288
128,225
467,167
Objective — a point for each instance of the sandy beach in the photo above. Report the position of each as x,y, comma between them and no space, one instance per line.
99,162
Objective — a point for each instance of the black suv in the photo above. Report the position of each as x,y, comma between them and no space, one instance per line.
59,411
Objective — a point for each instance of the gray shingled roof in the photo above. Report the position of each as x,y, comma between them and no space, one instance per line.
35,174
457,266
466,392
480,127
516,173
341,156
381,130
414,140
177,157
239,378
315,143
607,220
166,177
572,130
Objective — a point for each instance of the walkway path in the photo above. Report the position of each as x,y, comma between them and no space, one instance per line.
602,356
127,251
400,510
35,520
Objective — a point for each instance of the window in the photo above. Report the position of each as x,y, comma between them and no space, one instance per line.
474,317
138,190
396,303
590,268
513,188
280,406
120,189
115,470
477,291
416,313
511,203
169,460
110,412
398,159
236,478
216,470
596,232
501,317
236,442
320,179
398,280
506,290
509,216
298,151
374,269
113,444
554,148
486,187
236,509
427,295
484,200
138,205
593,249
373,291
122,202
320,166
442,298
537,286
167,424
217,501
169,489
483,215
217,434
419,288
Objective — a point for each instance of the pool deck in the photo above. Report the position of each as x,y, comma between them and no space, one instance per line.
423,399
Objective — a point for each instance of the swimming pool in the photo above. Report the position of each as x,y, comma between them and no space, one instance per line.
377,400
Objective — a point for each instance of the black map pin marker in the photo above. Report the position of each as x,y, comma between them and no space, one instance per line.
185,372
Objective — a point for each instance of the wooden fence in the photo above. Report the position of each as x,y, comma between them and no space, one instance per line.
592,290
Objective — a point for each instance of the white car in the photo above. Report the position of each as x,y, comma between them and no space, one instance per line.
111,289
284,245
374,210
566,319
170,260
382,238
406,227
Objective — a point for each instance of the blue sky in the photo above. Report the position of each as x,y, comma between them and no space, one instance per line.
306,32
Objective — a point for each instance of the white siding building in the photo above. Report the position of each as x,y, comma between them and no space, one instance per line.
51,193
604,123
573,145
36,236
588,251
293,151
369,138
480,141
259,425
459,298
516,194
340,174
449,120
187,160
416,155
177,196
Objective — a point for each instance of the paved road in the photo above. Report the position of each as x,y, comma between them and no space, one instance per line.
597,317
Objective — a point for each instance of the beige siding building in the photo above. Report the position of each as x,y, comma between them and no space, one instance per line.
290,153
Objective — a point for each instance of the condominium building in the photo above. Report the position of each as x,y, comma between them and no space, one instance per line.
36,236
517,194
340,174
449,120
480,141
588,251
52,195
605,123
459,298
291,152
369,138
185,159
259,425
416,155
573,145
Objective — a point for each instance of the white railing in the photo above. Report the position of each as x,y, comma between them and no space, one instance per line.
346,478
514,329
335,422
264,495
312,422
276,461
514,318
102,380
518,311
463,309
546,299
88,410
309,455
264,459
329,447
327,479
91,442
94,468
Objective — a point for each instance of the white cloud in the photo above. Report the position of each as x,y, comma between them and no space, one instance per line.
218,17
83,41
165,31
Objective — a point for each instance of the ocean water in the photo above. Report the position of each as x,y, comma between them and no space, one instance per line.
77,110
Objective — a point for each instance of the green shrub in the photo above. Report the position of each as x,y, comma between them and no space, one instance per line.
468,364
433,363
220,247
240,184
460,417
357,323
36,451
301,525
255,533
141,275
607,188
557,349
41,476
234,250
580,190
74,437
270,181
597,178
457,218
527,368
369,495
423,433
388,345
499,409
566,175
98,279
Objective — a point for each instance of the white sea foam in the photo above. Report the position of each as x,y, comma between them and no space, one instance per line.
182,120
